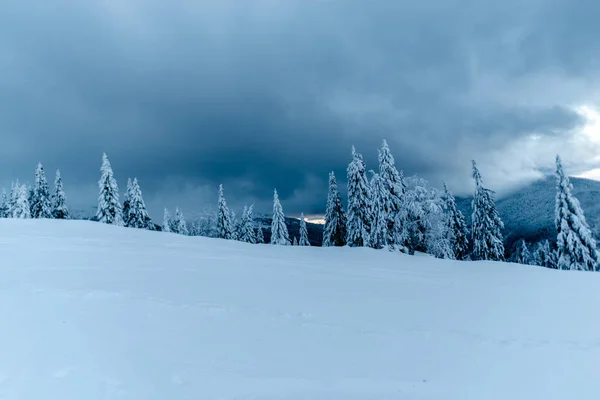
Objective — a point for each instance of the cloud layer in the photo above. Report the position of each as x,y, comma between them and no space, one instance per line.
256,95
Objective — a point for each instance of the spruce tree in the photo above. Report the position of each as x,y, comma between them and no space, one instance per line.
179,225
295,243
127,203
21,207
487,226
393,193
224,222
358,202
4,205
260,236
167,222
235,226
247,232
542,255
14,196
379,213
334,231
138,215
60,210
40,197
575,243
523,256
303,232
457,227
109,207
279,231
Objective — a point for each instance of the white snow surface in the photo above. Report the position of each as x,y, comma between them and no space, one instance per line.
93,311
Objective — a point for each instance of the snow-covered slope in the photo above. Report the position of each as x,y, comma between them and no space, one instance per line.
90,311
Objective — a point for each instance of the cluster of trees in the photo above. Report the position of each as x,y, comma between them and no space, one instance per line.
385,211
408,215
36,201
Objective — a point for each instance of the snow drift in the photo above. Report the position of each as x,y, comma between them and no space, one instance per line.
90,311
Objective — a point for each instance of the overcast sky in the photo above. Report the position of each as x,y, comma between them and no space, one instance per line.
267,94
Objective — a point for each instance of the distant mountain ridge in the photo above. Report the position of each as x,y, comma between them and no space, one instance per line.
529,212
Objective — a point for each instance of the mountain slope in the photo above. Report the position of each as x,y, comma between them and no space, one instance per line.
94,312
529,212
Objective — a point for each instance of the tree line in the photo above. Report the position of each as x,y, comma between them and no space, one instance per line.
386,211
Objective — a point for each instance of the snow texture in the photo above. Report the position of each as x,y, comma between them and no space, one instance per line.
163,316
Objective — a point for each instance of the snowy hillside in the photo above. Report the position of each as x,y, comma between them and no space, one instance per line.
93,312
529,212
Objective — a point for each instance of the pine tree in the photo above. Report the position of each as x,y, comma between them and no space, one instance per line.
260,236
457,227
60,210
487,226
127,203
358,202
334,231
14,196
575,244
40,199
523,256
4,205
224,222
167,222
109,208
303,232
247,232
179,224
295,243
542,255
21,207
138,215
235,226
393,193
379,213
279,232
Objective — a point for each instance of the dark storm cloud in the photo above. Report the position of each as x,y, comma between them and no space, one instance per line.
268,94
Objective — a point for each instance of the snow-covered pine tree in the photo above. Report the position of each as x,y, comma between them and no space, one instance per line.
127,203
575,243
279,231
109,207
394,189
303,232
359,217
60,210
260,236
40,200
21,208
247,232
379,214
14,196
457,227
522,255
138,215
224,223
541,255
179,224
488,242
4,205
334,231
235,226
167,221
295,243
